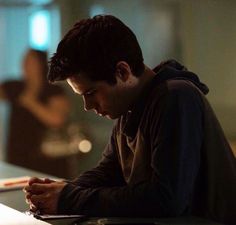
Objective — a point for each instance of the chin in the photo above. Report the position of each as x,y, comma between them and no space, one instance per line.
112,117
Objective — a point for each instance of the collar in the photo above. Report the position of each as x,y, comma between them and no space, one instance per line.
131,119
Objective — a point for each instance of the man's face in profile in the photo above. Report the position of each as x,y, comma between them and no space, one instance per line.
107,100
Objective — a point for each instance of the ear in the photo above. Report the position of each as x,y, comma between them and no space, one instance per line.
123,70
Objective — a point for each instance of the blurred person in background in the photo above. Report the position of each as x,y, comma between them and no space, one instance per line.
167,155
35,107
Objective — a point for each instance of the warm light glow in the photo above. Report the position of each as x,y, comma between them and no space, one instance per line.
85,146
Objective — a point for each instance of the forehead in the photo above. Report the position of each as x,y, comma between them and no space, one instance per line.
81,79
81,84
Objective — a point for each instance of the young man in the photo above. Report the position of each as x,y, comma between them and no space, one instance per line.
167,154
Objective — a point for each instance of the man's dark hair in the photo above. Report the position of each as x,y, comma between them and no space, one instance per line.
94,46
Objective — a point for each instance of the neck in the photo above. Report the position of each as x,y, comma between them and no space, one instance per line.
143,80
147,76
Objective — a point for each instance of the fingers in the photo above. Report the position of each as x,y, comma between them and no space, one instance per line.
33,180
37,200
35,193
36,188
32,204
43,196
44,203
27,198
33,208
48,181
36,180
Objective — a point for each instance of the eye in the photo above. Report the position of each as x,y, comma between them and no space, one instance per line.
90,93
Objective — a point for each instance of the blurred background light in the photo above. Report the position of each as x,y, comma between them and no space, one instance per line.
39,30
96,10
85,146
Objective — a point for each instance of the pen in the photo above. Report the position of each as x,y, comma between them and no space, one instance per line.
15,182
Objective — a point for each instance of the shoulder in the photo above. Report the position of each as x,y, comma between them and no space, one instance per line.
12,89
175,89
13,84
176,86
181,86
174,97
180,102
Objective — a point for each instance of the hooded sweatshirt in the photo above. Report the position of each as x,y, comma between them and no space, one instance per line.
166,157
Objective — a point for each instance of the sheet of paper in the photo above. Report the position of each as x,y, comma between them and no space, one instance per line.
9,216
13,183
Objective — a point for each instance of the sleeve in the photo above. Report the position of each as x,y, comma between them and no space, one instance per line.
175,129
108,173
176,137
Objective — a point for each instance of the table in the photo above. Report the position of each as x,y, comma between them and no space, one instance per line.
15,199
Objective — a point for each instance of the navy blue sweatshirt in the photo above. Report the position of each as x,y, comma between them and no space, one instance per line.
166,157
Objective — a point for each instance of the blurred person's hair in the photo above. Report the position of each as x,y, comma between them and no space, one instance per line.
94,46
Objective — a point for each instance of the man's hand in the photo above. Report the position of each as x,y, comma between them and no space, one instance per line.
43,194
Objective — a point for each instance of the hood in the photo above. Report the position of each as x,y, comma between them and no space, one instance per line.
171,69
